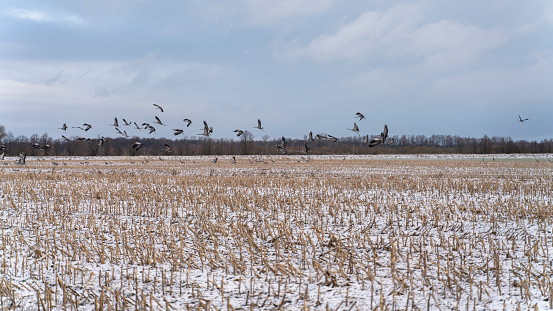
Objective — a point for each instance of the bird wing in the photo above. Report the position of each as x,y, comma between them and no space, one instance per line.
384,134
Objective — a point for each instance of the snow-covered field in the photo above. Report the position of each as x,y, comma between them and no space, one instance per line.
331,233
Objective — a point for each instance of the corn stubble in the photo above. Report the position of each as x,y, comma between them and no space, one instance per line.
328,234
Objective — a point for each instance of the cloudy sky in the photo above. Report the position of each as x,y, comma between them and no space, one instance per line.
427,67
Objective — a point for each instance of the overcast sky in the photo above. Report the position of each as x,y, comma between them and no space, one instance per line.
465,68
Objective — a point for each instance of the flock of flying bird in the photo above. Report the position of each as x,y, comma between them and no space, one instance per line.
207,131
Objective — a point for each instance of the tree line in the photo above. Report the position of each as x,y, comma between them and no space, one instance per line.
247,145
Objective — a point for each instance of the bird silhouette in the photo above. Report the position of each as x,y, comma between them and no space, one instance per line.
188,121
207,130
310,137
137,145
332,138
64,127
86,127
379,140
177,132
355,128
127,123
521,119
258,125
282,146
158,121
168,148
305,149
115,123
239,132
360,116
158,107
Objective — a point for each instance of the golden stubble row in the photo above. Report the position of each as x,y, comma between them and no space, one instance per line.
277,233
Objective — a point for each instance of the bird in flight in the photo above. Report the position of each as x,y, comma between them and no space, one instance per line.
177,131
115,123
332,138
355,128
137,127
158,107
102,141
188,121
379,140
168,148
360,116
158,121
137,145
64,127
207,130
521,119
239,132
321,136
258,125
86,127
306,149
310,136
282,146
127,123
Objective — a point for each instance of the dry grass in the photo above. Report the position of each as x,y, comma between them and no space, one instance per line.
325,234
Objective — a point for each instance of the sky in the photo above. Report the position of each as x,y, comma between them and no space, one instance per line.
430,67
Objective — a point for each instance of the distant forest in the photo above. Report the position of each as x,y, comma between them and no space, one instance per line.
246,145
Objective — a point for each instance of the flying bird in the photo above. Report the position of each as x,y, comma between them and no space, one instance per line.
137,127
239,132
360,116
321,136
65,138
258,125
137,145
102,141
207,130
306,149
355,128
379,140
158,121
167,148
188,121
64,127
115,123
282,146
86,127
119,131
158,107
177,131
310,136
332,138
127,123
521,119
21,159
152,129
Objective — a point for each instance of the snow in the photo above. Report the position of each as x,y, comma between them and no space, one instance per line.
281,232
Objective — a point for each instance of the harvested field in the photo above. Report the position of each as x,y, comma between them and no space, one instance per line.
331,233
